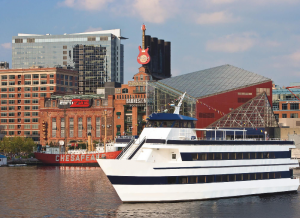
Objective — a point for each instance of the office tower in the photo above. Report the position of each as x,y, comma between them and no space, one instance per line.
21,90
97,56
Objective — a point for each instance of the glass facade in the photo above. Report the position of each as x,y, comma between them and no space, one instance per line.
160,98
97,56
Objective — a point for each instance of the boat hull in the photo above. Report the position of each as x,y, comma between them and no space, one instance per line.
191,192
74,159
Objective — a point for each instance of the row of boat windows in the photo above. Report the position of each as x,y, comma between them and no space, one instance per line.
234,155
228,178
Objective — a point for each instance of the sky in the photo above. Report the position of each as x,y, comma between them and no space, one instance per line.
261,36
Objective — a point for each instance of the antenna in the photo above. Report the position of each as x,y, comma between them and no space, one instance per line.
177,108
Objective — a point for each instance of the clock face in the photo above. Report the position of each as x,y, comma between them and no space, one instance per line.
143,58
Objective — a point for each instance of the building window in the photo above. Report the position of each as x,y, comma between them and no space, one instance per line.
3,108
4,90
51,75
3,120
80,127
98,127
11,77
11,83
35,76
62,127
125,90
4,77
43,94
11,101
43,75
11,132
35,113
3,101
26,126
11,114
4,83
294,106
276,116
294,115
11,89
35,88
27,132
51,81
43,81
35,120
71,127
27,95
89,124
51,88
53,127
3,114
35,126
261,90
284,107
27,108
27,82
26,120
35,107
35,82
27,76
35,95
3,95
11,95
27,101
27,114
284,115
35,132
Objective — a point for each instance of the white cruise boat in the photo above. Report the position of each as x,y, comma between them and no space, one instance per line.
168,163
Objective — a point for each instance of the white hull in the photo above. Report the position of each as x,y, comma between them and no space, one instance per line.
186,192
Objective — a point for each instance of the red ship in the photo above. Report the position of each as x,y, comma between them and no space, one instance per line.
77,157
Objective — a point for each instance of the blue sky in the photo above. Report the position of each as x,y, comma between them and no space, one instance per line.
262,36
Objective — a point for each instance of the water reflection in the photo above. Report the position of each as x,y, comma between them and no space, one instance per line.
86,192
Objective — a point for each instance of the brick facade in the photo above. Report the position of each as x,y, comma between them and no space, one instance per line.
52,109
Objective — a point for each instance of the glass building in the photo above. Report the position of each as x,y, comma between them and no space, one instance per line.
97,56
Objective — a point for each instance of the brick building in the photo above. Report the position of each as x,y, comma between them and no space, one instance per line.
72,117
130,105
21,90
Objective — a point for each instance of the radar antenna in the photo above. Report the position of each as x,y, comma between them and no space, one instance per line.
177,108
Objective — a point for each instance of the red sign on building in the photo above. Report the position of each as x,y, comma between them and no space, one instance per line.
80,103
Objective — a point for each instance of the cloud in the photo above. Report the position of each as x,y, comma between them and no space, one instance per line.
6,45
232,43
92,29
215,18
155,11
221,1
294,57
89,5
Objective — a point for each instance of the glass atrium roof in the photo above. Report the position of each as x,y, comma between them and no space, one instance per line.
214,80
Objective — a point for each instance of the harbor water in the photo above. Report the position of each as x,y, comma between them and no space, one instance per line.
40,191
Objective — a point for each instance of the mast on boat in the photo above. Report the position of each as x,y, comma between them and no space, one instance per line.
177,108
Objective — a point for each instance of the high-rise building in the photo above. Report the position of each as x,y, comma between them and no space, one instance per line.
21,90
97,56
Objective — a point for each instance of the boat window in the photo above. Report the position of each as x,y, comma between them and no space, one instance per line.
183,180
225,156
246,155
193,179
195,156
173,156
232,177
252,155
202,179
232,156
172,180
210,179
202,156
266,155
176,124
218,178
246,176
239,156
218,156
210,156
239,177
